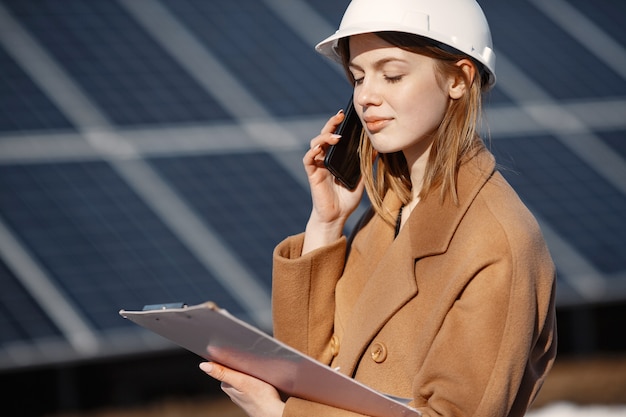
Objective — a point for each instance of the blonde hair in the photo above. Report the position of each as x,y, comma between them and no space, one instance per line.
456,139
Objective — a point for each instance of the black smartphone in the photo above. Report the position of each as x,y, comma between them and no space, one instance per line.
342,159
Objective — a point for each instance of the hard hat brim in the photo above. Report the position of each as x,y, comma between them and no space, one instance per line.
328,47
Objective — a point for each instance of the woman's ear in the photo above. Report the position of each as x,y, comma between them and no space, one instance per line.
461,82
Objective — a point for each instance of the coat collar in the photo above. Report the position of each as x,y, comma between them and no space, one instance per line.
433,223
430,227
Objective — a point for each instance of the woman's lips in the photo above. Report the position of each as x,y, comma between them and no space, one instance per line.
374,124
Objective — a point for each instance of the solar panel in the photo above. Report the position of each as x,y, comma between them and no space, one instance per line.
615,139
248,198
279,68
606,14
23,106
21,319
97,229
550,56
103,245
119,66
583,207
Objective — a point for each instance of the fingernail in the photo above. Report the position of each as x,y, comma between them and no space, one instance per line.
206,367
340,111
335,136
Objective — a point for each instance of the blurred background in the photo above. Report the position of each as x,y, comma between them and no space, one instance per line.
150,152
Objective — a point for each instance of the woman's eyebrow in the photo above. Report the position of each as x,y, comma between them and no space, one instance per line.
378,64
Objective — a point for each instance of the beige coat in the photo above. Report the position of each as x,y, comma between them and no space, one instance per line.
456,313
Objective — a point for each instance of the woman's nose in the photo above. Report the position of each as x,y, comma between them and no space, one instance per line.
367,94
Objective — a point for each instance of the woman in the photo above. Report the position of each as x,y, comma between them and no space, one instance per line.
444,293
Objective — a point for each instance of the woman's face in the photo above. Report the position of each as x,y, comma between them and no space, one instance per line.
397,95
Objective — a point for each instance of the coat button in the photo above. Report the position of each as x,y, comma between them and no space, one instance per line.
379,352
334,345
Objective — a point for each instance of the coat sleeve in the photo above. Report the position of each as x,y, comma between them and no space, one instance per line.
303,295
303,307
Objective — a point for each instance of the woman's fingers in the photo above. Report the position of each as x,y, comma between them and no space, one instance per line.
315,155
255,397
226,376
230,379
333,122
215,370
327,133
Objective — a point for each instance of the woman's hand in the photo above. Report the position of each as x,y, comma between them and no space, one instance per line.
255,397
332,202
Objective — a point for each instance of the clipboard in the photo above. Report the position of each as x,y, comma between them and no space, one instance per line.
214,334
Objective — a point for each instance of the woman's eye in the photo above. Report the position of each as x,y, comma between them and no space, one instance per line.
393,79
358,81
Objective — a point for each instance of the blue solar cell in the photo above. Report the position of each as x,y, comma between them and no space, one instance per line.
549,56
22,105
106,249
331,10
608,15
21,318
616,140
284,72
577,202
119,66
248,198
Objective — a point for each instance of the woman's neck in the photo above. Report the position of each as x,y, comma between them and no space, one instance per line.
417,161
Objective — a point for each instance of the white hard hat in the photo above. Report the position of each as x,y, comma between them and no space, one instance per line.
460,24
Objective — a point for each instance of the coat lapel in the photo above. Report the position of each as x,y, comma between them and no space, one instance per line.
433,223
391,283
391,280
